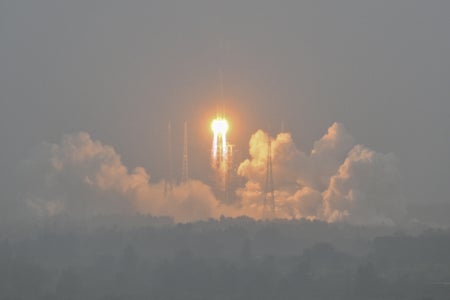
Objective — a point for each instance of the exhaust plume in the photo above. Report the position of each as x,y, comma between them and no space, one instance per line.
337,181
81,176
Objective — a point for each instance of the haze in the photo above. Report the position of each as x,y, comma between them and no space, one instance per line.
351,95
121,70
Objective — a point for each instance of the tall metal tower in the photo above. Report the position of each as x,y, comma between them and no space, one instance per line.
269,195
185,167
168,184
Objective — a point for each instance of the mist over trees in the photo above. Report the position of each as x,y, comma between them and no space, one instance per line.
142,257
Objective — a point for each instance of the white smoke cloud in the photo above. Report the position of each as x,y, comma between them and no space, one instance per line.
337,181
84,176
365,190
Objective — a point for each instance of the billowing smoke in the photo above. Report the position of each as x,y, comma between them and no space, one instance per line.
365,189
81,176
337,181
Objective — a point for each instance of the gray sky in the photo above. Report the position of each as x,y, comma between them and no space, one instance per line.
120,70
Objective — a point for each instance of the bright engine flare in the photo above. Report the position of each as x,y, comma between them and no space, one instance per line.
221,153
219,127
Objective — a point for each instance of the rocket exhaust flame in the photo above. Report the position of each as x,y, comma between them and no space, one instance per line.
219,127
220,152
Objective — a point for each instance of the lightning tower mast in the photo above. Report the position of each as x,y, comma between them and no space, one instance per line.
185,170
269,196
168,184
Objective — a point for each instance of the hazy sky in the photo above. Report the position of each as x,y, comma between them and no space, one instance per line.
120,70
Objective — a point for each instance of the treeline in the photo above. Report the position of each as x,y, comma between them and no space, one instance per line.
226,259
